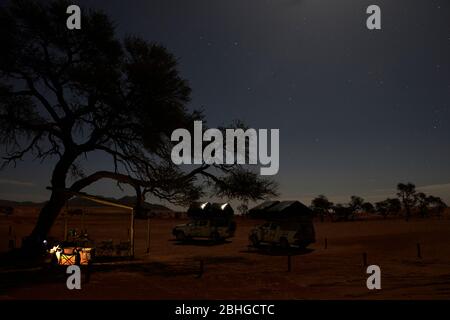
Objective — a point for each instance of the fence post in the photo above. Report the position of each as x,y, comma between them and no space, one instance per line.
364,259
419,251
289,263
148,235
88,272
202,269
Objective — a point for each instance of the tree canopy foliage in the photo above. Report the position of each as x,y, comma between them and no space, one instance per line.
65,94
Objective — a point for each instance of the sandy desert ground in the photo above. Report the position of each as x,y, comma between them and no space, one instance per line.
233,271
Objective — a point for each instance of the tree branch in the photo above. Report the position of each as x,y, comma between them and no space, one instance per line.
41,98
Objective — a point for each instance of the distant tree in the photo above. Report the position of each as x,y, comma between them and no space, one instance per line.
406,193
427,204
388,207
436,205
66,94
368,207
422,202
321,206
355,204
394,206
381,208
342,213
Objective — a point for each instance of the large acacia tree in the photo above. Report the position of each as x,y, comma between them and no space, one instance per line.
67,93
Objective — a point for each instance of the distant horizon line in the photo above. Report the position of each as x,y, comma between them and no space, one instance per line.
441,190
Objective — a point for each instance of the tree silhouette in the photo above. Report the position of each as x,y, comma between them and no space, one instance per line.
426,204
394,205
406,193
321,206
368,207
65,94
382,208
423,201
388,207
356,204
436,205
342,212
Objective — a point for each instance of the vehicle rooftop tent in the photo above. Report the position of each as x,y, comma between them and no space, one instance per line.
262,207
284,210
207,210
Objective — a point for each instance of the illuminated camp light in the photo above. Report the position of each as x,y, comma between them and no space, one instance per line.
203,205
54,249
223,206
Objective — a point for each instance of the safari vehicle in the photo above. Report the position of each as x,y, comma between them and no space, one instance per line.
288,223
211,221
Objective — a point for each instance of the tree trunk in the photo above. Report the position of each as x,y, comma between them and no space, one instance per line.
52,208
48,215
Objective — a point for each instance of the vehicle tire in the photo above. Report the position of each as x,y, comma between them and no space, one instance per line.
284,243
180,236
215,237
254,240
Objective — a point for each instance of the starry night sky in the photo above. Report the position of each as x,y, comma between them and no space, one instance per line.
358,110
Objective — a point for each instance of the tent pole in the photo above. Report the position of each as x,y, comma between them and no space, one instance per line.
82,221
132,234
66,216
148,234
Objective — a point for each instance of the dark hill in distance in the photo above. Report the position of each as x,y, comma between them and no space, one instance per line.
81,202
10,203
126,200
131,200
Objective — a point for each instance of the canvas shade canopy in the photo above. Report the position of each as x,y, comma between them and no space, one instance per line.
108,203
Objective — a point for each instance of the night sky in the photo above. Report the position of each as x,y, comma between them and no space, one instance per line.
358,110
